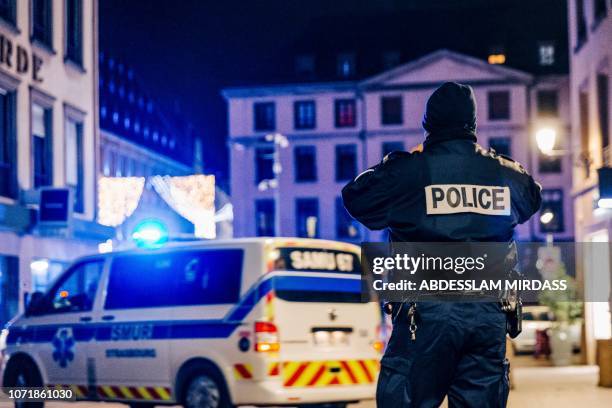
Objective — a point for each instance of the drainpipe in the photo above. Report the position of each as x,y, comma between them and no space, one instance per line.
363,136
530,149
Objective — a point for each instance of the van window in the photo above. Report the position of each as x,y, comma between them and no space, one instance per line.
322,296
184,278
324,290
75,291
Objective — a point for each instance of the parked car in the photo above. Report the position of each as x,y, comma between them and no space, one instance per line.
539,318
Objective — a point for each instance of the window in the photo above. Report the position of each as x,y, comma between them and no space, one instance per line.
264,164
547,54
322,296
9,288
305,159
75,291
307,217
391,108
581,25
345,113
42,22
501,145
346,162
42,146
119,165
107,159
8,145
603,103
264,218
44,272
265,116
346,227
304,115
74,31
600,9
497,55
305,65
548,103
499,105
549,164
391,59
74,162
346,65
388,147
8,11
175,279
552,202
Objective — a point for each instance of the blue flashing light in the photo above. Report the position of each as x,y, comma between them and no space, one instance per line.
150,234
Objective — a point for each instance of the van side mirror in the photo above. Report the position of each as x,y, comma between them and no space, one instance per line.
33,303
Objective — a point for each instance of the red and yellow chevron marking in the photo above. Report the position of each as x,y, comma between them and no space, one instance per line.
324,373
243,372
120,392
269,306
273,369
80,391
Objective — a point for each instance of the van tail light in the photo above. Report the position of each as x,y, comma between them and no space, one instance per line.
382,335
266,337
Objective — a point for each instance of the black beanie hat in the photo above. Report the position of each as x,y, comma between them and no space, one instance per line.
451,106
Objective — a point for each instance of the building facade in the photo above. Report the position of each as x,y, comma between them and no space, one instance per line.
138,138
48,138
590,48
332,131
142,138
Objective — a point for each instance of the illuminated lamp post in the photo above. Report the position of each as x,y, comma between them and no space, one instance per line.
546,138
280,141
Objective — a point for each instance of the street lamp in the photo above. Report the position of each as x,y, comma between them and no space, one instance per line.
547,217
280,142
546,139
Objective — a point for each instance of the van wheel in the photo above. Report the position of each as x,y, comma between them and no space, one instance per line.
204,390
22,372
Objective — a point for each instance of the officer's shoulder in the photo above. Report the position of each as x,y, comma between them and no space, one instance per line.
397,156
503,160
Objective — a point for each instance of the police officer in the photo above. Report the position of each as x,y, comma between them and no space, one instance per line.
452,190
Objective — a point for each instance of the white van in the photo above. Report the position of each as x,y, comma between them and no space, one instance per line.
257,321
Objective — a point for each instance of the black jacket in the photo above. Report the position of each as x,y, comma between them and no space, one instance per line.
454,190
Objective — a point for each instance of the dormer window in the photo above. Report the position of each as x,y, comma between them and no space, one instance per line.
346,65
546,54
497,55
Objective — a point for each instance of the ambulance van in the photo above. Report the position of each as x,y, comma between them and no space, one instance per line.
256,321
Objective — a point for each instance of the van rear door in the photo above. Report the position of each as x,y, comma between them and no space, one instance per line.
327,328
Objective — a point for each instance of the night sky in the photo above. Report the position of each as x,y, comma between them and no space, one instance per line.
184,51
